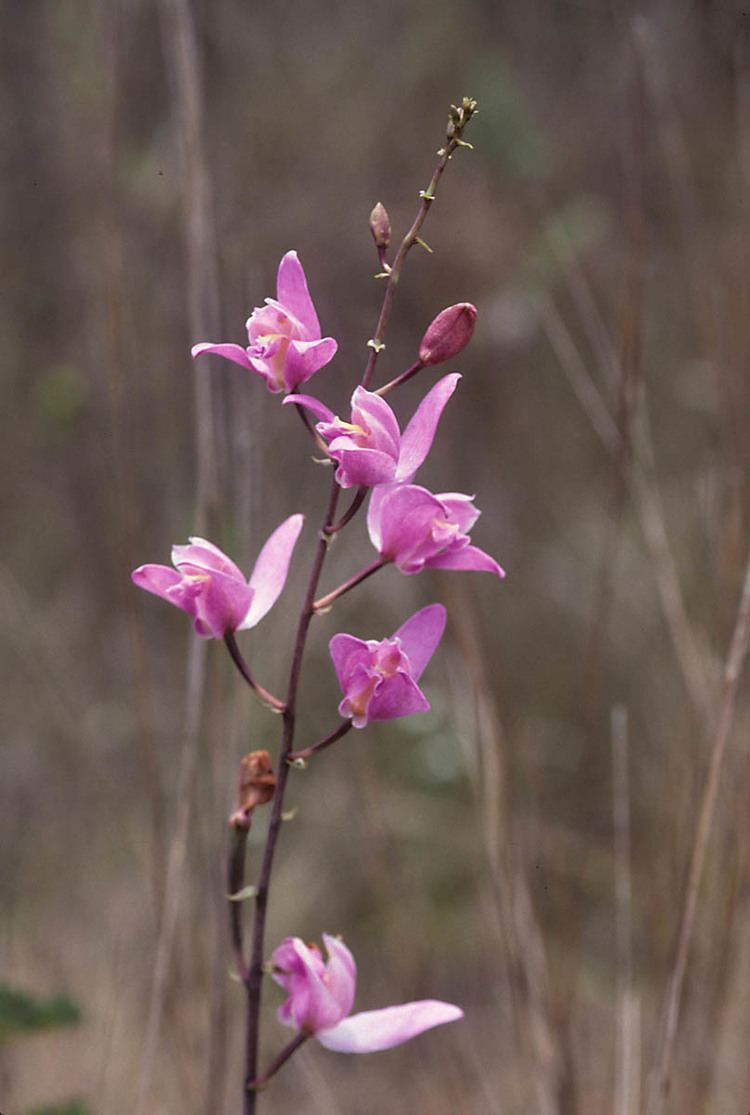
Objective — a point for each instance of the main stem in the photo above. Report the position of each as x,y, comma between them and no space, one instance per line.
255,976
254,982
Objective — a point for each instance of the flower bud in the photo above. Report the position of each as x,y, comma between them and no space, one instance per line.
448,334
256,786
380,226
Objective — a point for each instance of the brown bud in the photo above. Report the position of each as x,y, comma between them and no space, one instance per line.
256,786
448,334
380,226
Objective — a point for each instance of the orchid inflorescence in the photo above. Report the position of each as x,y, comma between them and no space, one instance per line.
409,527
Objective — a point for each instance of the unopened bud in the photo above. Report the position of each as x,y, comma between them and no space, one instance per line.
256,786
380,226
448,334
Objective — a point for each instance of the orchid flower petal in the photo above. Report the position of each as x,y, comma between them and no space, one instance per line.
235,353
270,572
347,653
292,293
470,557
419,434
207,556
341,972
420,636
357,466
395,697
400,517
305,358
375,1030
379,418
320,410
158,579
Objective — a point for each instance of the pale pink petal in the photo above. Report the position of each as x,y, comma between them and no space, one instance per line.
222,603
320,410
347,652
470,557
158,579
420,636
375,1030
358,466
206,555
419,434
396,696
292,293
231,352
269,575
341,973
406,515
460,509
376,414
305,358
374,514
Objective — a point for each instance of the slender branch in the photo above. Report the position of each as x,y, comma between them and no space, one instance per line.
670,1013
357,579
452,142
266,697
281,1059
235,882
352,510
411,371
332,737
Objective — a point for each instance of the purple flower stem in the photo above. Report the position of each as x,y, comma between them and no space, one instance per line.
235,882
408,242
412,371
263,694
255,976
349,514
332,737
357,579
278,1061
254,982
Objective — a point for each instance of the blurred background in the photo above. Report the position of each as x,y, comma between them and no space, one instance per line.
524,848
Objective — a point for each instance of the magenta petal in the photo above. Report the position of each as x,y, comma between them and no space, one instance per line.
420,636
379,418
292,293
460,508
419,434
341,973
320,410
158,579
375,1030
231,352
206,556
305,358
347,652
357,466
396,696
269,575
221,604
405,516
470,557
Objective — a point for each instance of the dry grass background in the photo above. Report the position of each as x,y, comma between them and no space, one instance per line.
524,849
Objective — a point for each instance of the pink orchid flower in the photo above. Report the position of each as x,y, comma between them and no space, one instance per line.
379,679
285,346
416,529
370,449
207,585
321,995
